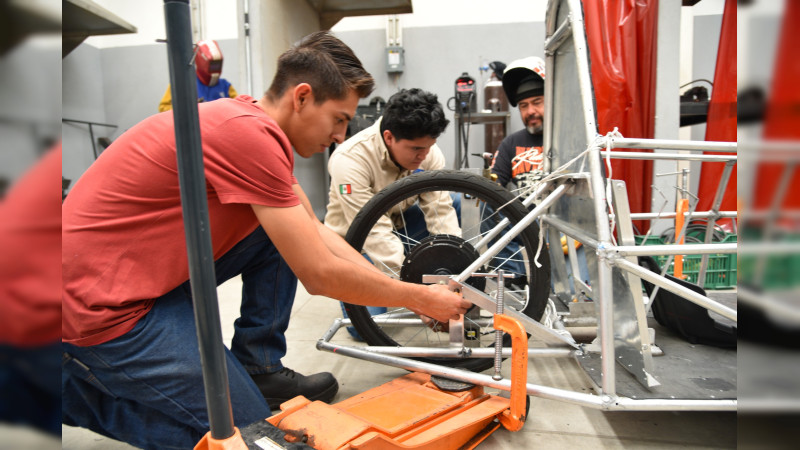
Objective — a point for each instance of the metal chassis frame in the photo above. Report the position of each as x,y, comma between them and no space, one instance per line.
610,255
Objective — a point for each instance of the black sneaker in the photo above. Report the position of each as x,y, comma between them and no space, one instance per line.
286,384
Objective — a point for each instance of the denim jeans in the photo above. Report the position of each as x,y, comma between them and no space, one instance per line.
415,230
29,387
145,387
508,258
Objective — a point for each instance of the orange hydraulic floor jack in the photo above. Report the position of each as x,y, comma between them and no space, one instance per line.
416,411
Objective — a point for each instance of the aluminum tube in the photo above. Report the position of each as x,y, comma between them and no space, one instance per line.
669,249
673,144
555,41
515,230
335,326
670,156
712,221
627,404
688,215
462,375
571,231
671,286
191,177
446,352
771,248
582,63
550,16
488,237
604,291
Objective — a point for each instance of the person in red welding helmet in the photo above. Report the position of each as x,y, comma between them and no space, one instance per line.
210,84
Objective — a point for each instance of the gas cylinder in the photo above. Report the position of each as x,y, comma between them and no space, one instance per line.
494,101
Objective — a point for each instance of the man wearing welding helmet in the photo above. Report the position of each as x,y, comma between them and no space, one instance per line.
519,157
210,84
517,163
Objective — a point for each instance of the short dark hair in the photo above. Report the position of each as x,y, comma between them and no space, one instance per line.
414,113
327,64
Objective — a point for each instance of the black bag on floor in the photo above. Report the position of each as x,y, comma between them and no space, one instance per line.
689,320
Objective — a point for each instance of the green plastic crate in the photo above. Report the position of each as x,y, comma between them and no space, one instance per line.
720,271
780,271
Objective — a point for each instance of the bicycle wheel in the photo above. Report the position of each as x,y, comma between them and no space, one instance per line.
483,204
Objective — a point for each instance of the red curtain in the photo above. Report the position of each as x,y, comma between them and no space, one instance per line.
782,114
621,36
721,122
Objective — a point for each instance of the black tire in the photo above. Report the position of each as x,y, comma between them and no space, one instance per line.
478,191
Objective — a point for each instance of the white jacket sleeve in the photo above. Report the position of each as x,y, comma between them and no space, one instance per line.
351,190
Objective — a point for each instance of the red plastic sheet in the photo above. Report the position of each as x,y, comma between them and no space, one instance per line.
621,36
721,122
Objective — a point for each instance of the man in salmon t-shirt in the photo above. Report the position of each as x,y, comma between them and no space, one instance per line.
131,366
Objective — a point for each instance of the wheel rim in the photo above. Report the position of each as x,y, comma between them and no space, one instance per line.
447,255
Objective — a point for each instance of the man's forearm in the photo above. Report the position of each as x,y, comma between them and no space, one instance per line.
339,247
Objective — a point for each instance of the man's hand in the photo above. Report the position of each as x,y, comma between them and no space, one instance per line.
440,303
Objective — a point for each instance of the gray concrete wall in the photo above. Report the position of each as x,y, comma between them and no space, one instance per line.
30,104
83,99
276,25
119,86
704,61
123,85
436,56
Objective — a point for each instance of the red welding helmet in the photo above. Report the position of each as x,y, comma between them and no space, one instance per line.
208,62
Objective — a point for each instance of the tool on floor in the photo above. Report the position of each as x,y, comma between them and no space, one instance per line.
416,411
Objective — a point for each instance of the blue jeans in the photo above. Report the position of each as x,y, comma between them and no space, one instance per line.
29,386
145,387
508,258
415,230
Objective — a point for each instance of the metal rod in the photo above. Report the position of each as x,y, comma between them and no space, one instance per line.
675,249
88,122
670,156
604,402
582,62
248,52
498,335
688,215
91,138
571,231
503,223
604,291
550,17
502,242
673,144
555,41
195,213
712,221
779,197
627,404
671,286
771,248
471,352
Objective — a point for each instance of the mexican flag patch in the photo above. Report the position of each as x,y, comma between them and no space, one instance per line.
345,189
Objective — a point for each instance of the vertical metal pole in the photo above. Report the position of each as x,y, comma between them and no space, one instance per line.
195,216
457,159
712,221
248,57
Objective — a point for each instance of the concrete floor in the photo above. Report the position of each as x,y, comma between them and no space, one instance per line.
551,424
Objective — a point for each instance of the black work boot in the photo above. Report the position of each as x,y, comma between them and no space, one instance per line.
285,384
